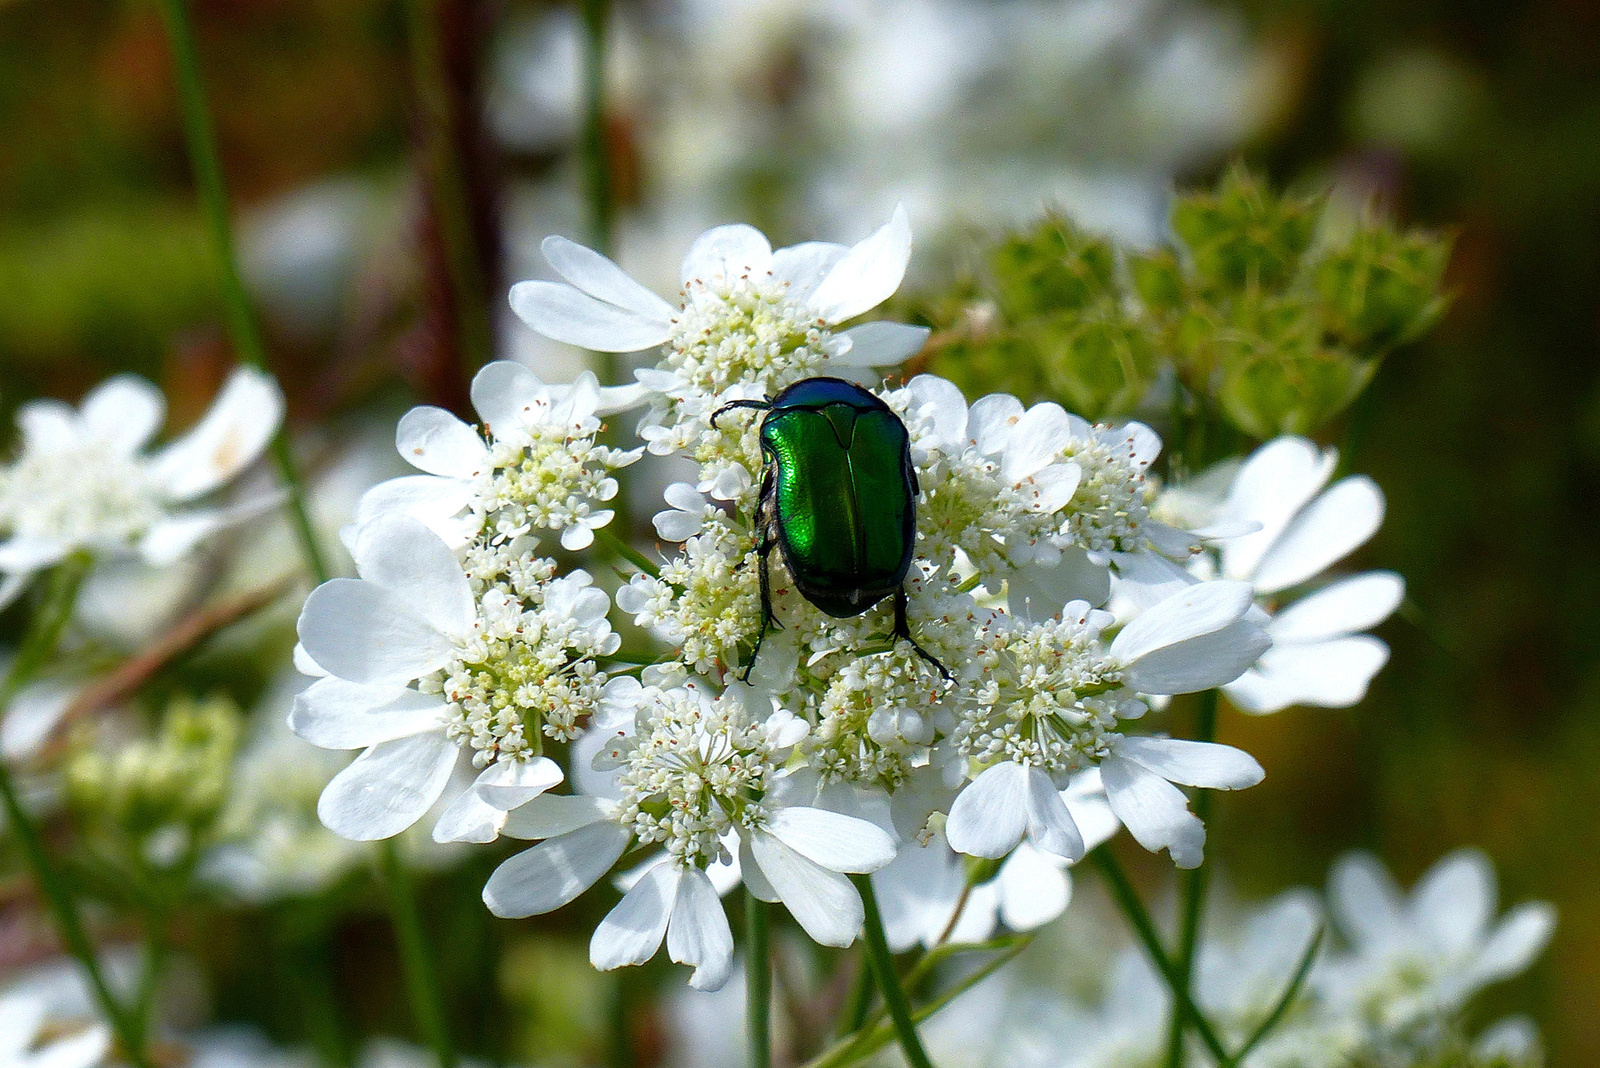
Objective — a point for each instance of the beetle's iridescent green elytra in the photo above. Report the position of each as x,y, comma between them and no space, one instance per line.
838,499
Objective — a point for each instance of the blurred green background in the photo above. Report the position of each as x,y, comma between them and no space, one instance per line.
1478,118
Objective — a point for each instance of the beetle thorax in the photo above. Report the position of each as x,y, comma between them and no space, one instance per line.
744,331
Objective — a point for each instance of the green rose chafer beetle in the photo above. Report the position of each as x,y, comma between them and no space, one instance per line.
838,500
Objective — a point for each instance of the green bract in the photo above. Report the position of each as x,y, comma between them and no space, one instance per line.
838,500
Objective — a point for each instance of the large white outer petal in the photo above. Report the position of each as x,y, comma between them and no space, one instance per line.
1155,812
364,633
989,817
1323,533
1365,902
1190,612
388,787
1050,825
1199,663
599,277
433,500
48,425
832,839
725,253
1330,674
509,783
433,440
227,439
1274,483
469,818
409,560
823,902
1513,944
1037,439
335,714
868,274
1345,607
1454,901
553,815
170,539
632,931
565,314
992,421
1208,764
506,395
552,873
882,344
804,266
124,411
31,554
698,933
1033,890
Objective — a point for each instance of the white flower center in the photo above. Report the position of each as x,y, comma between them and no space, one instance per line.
745,331
86,494
694,769
1109,510
545,478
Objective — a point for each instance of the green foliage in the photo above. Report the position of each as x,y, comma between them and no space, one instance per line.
1272,308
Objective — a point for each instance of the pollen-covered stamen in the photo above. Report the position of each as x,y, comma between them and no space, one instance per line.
695,768
86,494
547,477
743,331
1111,506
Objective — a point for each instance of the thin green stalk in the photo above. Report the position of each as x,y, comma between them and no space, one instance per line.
241,322
151,968
758,980
596,147
627,552
448,185
1195,884
45,632
1127,899
1286,999
894,995
863,1045
860,1003
421,982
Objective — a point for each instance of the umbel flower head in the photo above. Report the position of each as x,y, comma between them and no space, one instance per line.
81,479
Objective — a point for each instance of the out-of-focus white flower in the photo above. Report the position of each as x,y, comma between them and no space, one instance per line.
1295,530
23,1020
419,665
690,769
1427,953
1050,705
83,481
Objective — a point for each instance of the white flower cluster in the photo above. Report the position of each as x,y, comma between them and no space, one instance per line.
1046,605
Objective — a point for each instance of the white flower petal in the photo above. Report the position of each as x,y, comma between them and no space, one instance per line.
31,716
388,787
124,411
1207,764
675,526
430,499
47,425
1323,533
565,314
1346,607
1200,663
1274,483
992,421
509,783
1033,889
364,633
1085,798
804,266
1037,439
1037,593
22,1017
469,818
726,253
432,440
30,554
823,902
1330,674
553,815
506,395
552,873
940,402
170,539
698,933
335,714
868,274
632,932
227,439
12,583
882,344
599,277
754,881
836,841
1455,900
989,817
1516,940
1155,812
1193,610
410,561
1364,901
82,1050
1050,825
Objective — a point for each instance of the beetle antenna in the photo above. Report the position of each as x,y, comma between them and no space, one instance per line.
902,629
760,405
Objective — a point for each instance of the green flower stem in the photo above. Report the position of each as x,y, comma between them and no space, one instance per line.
448,186
627,552
1127,899
45,631
1195,884
421,981
894,995
864,1044
596,148
758,980
241,322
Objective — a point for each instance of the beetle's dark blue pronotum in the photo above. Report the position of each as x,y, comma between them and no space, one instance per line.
838,499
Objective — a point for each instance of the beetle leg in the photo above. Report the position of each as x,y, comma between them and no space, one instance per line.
768,618
902,629
759,405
